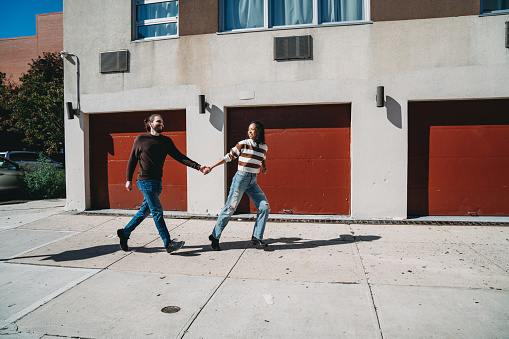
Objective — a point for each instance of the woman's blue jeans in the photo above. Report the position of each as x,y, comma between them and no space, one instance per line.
151,190
244,182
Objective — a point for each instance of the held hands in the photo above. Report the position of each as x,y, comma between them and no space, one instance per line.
205,170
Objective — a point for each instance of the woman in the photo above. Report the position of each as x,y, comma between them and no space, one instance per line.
251,154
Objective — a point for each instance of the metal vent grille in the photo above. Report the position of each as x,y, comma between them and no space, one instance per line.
114,61
293,47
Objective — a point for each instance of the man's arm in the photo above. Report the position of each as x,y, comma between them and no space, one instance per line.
184,160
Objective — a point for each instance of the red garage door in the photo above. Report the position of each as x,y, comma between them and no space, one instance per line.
111,140
458,158
308,159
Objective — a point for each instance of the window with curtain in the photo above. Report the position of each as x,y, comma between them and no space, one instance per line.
155,19
489,6
256,14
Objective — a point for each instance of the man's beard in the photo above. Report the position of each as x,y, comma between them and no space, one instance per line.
158,129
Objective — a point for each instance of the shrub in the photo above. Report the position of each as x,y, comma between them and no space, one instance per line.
43,181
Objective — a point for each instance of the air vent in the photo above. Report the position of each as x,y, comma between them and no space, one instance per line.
113,61
293,47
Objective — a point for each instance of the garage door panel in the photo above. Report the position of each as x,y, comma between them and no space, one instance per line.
308,159
120,198
469,141
117,172
112,137
123,146
304,170
465,200
487,172
333,143
175,197
174,172
308,200
466,164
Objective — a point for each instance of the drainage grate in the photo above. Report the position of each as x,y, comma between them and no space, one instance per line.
310,219
170,309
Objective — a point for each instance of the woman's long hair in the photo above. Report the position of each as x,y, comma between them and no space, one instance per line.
260,132
150,119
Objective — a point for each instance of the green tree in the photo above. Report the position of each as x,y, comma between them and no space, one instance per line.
36,105
8,139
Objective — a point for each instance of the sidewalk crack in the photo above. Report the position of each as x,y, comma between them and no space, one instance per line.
368,283
209,297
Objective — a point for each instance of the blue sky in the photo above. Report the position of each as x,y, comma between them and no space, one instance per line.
17,17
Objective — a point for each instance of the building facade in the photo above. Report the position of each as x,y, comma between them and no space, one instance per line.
17,53
435,143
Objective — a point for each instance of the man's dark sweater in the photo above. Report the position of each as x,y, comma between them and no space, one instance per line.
150,152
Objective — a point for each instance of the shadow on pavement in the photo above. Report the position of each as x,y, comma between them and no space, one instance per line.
277,244
80,254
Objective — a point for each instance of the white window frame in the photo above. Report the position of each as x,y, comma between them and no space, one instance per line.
141,23
267,24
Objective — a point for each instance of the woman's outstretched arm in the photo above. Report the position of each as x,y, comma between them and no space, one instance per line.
220,162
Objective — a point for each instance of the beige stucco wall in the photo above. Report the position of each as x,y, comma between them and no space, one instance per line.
428,59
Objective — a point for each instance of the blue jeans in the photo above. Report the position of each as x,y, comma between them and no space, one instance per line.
244,182
151,204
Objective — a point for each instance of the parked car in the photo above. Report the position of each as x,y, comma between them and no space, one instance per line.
29,159
11,178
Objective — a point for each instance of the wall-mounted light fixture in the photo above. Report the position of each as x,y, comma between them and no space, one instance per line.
71,112
507,34
380,100
203,103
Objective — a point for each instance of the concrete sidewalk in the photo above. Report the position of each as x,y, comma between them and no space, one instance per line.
63,275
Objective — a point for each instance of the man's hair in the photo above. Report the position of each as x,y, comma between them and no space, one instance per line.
150,119
260,132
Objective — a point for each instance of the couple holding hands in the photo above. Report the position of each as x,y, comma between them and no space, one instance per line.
149,152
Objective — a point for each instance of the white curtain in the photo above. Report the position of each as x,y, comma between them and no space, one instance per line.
292,12
240,14
341,10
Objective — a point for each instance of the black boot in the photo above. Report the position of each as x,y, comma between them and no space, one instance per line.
258,243
123,239
214,243
174,246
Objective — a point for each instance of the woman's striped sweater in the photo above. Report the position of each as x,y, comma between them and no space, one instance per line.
250,155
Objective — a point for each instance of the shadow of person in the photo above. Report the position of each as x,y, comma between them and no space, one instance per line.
76,255
276,244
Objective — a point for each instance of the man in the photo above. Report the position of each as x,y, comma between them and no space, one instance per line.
149,151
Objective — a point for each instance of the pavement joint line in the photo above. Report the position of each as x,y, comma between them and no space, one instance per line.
477,252
49,297
214,290
368,283
40,246
91,228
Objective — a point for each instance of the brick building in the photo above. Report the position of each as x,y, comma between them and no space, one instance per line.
17,53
